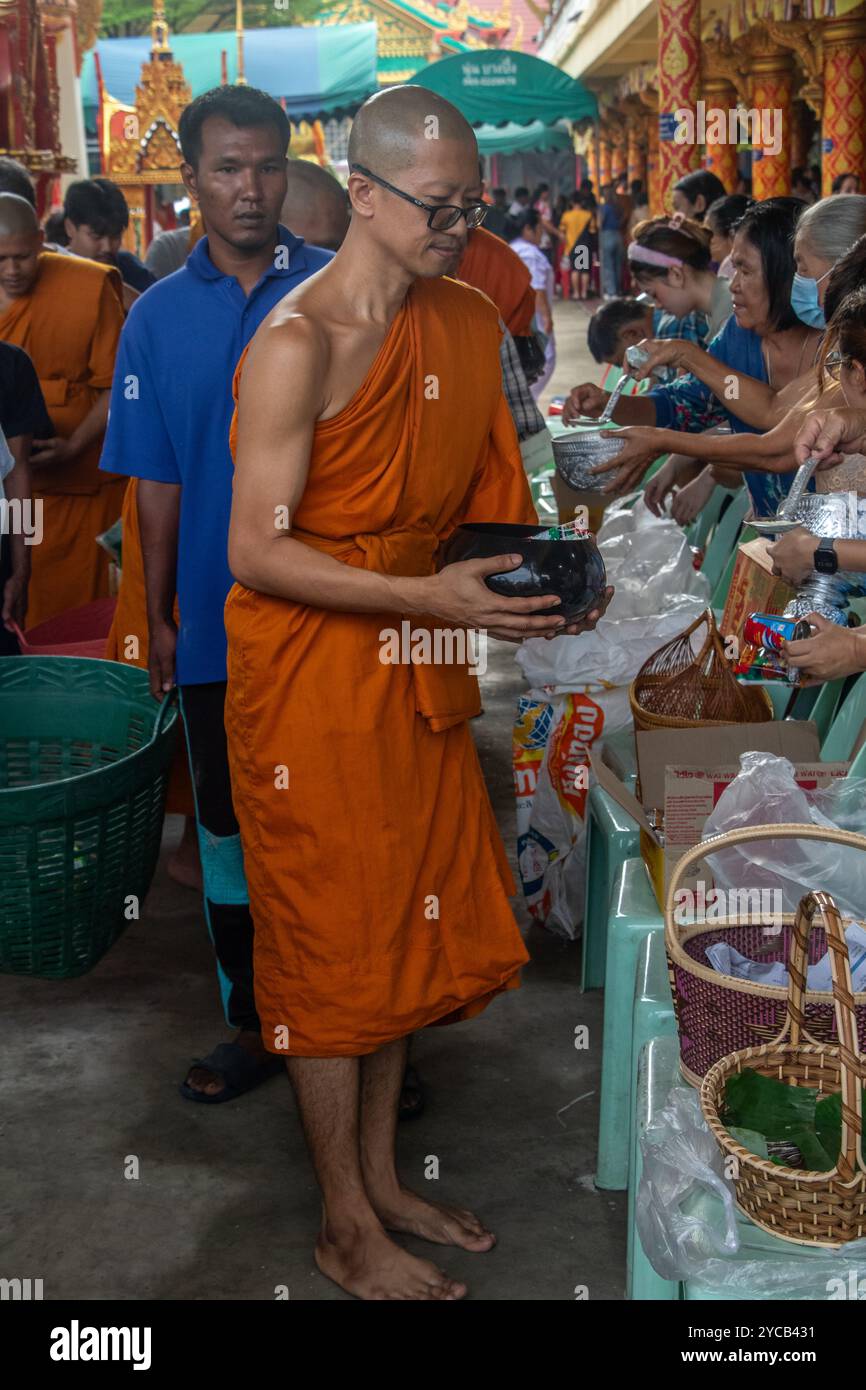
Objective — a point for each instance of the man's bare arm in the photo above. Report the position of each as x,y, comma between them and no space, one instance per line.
158,524
281,396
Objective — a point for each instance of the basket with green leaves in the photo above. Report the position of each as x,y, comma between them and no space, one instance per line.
789,1114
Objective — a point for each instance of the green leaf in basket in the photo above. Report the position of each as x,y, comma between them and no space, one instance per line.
815,1157
828,1124
767,1106
751,1140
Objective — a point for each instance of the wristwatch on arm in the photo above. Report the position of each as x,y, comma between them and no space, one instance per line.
826,559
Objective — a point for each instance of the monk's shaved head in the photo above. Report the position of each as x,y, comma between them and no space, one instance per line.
390,127
17,216
315,206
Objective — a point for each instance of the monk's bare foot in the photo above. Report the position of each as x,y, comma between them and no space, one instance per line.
400,1209
184,866
369,1265
210,1082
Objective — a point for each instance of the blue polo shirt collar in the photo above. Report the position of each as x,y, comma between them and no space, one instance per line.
200,262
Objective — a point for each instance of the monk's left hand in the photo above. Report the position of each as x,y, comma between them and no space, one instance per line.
586,624
51,451
832,651
631,463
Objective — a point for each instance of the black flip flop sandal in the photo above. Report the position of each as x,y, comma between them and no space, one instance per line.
239,1070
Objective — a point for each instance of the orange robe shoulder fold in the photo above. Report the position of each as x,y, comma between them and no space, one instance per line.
490,265
378,880
70,325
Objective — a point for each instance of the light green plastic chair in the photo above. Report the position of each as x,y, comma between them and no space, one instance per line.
699,530
611,838
818,703
634,913
657,1071
723,543
652,1016
838,746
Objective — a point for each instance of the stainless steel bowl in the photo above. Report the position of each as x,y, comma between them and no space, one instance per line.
577,451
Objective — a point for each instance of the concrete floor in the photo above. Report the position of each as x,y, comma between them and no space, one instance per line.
225,1205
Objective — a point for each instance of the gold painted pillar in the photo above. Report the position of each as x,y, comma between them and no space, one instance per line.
636,150
843,134
605,158
771,71
679,70
653,164
591,157
721,157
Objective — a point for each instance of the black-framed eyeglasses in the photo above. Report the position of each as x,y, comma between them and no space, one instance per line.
439,219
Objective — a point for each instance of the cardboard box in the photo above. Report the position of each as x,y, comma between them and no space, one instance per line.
683,772
754,588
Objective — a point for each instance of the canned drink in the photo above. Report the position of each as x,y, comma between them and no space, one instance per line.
767,631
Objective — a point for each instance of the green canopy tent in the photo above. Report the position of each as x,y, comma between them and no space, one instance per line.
499,89
522,139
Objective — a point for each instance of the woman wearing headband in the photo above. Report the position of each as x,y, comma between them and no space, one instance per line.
762,350
670,260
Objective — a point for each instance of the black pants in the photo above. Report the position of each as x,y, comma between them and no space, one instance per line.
8,640
227,908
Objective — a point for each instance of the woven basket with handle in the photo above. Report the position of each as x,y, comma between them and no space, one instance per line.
717,1014
798,1204
677,688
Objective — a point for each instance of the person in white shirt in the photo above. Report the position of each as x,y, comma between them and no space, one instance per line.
526,244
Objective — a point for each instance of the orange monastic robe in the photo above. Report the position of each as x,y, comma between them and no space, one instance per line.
70,324
490,265
378,880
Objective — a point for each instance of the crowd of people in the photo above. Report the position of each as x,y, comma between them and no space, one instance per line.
289,404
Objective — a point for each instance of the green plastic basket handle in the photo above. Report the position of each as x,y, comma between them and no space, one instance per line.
165,704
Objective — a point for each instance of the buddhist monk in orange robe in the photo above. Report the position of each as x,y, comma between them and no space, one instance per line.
490,265
66,313
370,423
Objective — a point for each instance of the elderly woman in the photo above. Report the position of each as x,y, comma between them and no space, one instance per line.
756,369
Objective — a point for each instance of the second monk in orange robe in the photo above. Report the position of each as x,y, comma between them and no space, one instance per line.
66,313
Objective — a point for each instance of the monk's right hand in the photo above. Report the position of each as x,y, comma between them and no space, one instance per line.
161,656
584,400
460,596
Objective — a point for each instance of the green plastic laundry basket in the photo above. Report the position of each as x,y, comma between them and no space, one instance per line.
84,761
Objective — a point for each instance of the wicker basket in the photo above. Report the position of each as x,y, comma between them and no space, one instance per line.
677,689
717,1014
798,1204
84,760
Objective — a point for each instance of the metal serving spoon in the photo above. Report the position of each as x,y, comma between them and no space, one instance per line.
784,520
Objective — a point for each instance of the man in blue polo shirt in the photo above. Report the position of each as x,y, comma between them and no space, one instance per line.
171,407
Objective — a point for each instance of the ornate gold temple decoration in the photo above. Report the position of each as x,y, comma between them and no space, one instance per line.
87,22
806,39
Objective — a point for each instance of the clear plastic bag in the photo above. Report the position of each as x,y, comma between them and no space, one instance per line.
681,1157
765,793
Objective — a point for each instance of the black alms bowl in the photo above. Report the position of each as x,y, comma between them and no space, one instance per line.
573,570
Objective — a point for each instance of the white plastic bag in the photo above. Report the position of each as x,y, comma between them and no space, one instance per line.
765,792
680,1156
578,695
